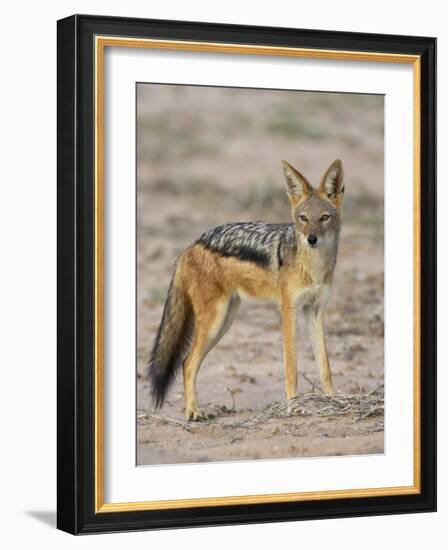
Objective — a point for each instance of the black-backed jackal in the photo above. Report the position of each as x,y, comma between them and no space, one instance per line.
291,264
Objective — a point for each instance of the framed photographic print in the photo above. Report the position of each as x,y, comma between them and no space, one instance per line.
246,274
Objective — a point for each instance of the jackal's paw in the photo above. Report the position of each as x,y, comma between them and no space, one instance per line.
196,415
290,410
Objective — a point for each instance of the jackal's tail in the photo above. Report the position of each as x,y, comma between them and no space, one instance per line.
172,342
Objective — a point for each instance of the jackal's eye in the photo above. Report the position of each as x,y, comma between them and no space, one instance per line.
325,218
303,218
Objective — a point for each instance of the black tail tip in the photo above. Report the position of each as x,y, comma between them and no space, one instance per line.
158,398
158,386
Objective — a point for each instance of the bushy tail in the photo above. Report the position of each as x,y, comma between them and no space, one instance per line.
171,344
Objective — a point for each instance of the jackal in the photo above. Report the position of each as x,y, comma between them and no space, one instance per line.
289,263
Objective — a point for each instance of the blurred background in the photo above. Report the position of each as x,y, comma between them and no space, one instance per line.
212,155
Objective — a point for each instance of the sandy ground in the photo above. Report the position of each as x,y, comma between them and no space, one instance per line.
208,156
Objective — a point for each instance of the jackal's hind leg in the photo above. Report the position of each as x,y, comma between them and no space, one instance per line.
191,367
210,327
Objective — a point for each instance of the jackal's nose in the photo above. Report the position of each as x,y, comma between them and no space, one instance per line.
312,239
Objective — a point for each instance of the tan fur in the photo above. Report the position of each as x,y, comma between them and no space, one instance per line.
214,284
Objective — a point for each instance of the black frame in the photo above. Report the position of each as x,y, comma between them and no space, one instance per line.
75,95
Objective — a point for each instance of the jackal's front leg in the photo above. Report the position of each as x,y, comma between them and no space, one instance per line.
317,336
289,348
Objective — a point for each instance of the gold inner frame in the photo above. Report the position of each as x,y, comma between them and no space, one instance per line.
101,42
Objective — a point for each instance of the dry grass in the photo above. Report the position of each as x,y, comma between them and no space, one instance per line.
313,404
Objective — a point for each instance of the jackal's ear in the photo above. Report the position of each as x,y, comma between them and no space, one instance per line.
332,186
297,186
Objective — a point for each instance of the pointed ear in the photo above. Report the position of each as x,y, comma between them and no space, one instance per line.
297,186
332,186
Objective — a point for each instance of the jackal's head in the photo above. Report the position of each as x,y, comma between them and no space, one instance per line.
316,213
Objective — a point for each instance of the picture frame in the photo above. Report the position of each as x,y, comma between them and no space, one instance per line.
82,42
